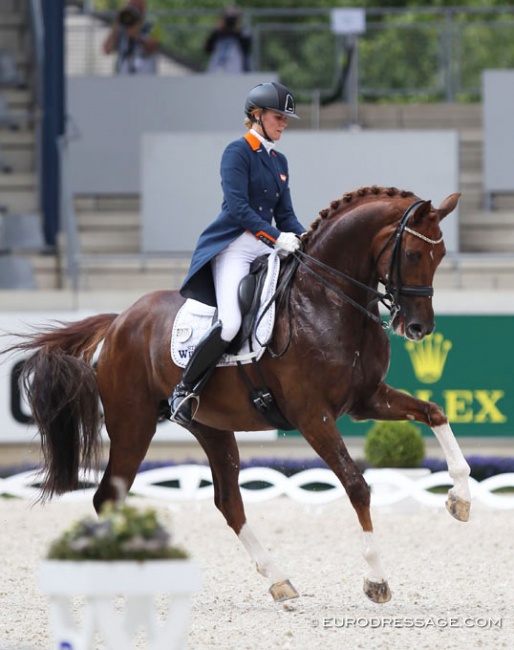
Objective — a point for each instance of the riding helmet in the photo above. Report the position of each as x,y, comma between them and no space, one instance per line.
273,96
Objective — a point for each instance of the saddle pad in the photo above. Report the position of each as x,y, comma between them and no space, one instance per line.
195,318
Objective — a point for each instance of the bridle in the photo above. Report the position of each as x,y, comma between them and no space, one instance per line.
394,286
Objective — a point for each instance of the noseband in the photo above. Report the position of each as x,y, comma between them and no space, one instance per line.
394,289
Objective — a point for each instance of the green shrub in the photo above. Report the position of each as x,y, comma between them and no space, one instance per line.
394,444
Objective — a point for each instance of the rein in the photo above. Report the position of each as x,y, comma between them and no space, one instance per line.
393,291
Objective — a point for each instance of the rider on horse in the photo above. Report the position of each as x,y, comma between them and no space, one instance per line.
255,182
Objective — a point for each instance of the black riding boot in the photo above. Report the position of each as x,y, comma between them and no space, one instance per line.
198,370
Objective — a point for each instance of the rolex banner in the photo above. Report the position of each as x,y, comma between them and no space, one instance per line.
466,366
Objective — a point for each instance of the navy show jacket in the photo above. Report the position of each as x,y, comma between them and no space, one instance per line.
255,191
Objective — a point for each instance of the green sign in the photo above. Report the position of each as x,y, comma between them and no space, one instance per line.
465,366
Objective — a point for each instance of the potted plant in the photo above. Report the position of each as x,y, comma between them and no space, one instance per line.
394,451
124,552
394,444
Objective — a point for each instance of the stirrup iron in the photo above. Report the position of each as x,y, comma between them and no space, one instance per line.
176,414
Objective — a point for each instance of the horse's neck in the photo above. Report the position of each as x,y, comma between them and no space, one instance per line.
346,247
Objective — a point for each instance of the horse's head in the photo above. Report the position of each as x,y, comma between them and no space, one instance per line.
407,254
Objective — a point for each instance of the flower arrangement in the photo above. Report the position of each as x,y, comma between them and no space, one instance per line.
121,532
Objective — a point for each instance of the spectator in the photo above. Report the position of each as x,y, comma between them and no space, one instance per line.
134,40
228,45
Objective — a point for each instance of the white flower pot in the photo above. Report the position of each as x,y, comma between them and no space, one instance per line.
101,583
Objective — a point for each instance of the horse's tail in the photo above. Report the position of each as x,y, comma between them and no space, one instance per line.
62,391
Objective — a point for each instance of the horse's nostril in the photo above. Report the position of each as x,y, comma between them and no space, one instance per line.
415,331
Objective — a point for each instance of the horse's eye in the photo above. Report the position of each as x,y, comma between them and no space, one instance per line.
413,256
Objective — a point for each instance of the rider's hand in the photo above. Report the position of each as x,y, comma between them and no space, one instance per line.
288,241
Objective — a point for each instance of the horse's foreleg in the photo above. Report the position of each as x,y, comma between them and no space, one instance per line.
459,497
391,404
223,454
326,441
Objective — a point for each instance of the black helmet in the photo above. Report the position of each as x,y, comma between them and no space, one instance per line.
273,96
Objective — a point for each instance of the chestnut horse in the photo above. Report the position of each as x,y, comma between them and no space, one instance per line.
329,355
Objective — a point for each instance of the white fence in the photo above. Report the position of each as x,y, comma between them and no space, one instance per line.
194,483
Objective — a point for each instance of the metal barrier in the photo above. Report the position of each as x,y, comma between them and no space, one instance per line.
423,53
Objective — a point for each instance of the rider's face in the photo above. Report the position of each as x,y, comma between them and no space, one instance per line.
274,123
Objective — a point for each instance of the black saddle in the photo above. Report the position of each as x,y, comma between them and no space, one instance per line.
250,290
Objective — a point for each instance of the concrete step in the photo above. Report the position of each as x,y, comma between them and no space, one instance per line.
18,150
18,99
18,192
11,20
110,221
47,271
464,117
503,202
488,239
137,273
119,242
8,6
114,203
475,272
490,219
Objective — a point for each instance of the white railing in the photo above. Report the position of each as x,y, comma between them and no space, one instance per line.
194,482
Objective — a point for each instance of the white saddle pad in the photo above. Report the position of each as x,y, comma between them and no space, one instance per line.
195,318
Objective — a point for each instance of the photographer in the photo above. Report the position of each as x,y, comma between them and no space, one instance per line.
134,40
228,46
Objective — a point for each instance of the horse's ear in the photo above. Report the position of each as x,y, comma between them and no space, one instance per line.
420,212
448,205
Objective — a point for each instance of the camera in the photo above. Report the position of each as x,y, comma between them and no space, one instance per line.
129,16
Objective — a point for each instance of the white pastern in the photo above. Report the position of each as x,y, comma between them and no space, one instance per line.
371,555
265,564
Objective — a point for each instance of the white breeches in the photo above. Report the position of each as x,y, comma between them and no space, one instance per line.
228,269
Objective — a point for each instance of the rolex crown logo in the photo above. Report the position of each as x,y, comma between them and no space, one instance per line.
429,357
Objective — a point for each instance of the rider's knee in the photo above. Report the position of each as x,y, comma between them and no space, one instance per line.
229,328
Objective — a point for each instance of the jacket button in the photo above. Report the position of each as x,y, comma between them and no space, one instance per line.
265,191
277,194
260,208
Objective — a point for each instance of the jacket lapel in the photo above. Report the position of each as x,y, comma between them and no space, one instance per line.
269,160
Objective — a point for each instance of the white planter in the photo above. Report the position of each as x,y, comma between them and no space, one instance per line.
101,583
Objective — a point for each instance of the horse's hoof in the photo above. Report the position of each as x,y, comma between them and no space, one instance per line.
457,507
378,592
283,590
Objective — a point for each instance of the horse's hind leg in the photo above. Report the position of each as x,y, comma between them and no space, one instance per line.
130,438
223,454
325,439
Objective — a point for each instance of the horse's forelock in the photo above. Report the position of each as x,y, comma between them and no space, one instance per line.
351,197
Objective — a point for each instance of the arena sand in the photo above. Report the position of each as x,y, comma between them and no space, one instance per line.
451,582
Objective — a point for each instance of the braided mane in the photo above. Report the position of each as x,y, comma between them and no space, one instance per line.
373,191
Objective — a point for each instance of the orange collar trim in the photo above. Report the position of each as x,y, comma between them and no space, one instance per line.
253,141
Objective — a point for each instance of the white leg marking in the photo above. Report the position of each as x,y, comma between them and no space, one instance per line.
375,570
457,465
265,564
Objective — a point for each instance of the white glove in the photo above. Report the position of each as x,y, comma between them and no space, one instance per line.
288,241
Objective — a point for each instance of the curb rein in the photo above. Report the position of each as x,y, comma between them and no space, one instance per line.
393,291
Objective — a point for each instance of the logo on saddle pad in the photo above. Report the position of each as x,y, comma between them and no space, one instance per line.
428,357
